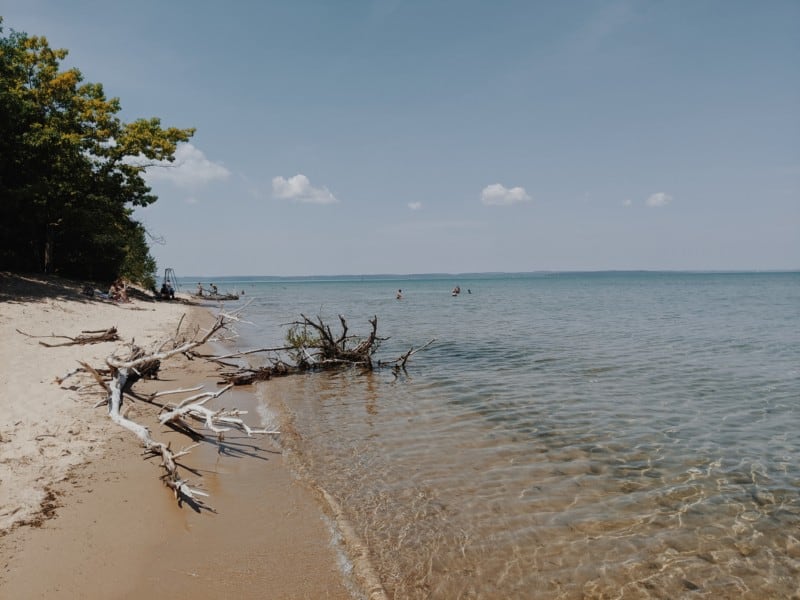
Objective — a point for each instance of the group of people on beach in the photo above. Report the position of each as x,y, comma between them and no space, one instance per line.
167,291
118,292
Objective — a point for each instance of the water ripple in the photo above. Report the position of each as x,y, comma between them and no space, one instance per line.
627,435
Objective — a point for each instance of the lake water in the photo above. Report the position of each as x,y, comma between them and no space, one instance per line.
599,435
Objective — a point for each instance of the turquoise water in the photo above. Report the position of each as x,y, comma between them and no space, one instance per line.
620,435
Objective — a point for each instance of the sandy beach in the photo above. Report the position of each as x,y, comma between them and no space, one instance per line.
77,496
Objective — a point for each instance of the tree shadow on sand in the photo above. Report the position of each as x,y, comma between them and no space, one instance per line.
39,288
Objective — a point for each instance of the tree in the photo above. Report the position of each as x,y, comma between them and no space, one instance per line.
71,172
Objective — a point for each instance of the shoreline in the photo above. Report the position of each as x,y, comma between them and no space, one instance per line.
109,527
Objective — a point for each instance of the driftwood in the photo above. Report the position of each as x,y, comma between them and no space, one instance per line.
311,342
313,346
247,376
86,337
126,369
320,349
400,363
323,350
218,421
124,373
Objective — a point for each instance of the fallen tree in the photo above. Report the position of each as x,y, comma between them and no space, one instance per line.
312,345
125,367
315,345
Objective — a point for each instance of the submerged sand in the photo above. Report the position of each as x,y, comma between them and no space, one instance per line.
77,495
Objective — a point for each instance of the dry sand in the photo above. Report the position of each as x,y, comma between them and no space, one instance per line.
82,514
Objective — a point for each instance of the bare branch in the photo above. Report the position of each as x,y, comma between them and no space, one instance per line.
86,337
401,361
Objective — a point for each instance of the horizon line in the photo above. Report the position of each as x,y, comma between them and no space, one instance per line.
496,273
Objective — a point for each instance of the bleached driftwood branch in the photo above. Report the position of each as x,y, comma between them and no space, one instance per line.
125,370
155,395
219,421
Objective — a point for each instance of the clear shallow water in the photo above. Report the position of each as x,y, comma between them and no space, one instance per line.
619,435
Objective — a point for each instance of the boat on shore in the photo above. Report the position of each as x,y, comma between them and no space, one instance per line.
215,297
212,294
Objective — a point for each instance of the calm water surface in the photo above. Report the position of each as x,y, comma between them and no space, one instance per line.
616,435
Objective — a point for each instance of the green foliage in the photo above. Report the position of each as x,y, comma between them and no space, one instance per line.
138,264
70,170
299,337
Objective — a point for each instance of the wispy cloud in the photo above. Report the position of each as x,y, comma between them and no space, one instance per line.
498,195
659,199
299,189
627,202
191,168
415,205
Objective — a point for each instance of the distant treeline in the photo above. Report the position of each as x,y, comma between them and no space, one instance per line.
71,172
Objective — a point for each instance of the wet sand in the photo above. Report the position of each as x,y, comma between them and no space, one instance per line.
110,528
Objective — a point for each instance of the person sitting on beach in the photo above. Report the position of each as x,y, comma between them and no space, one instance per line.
118,292
213,290
123,291
164,290
170,291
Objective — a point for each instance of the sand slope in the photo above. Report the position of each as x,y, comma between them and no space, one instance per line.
45,430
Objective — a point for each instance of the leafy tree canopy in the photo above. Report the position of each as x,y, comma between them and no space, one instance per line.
71,172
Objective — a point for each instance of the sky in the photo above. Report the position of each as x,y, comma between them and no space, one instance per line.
455,136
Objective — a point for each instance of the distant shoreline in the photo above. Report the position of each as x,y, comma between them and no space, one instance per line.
185,279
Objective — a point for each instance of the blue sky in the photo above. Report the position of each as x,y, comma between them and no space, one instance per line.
456,136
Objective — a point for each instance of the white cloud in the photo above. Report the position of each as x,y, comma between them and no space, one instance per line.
191,168
498,195
415,205
627,202
299,189
659,199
